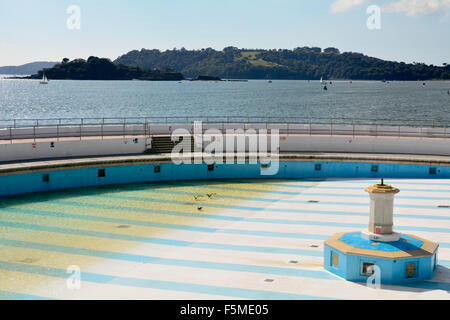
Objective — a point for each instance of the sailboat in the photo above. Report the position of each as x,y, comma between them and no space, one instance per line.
321,80
44,80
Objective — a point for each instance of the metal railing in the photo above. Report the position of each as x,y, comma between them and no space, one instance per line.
79,128
17,123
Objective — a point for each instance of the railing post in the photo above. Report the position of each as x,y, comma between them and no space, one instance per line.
57,132
34,133
331,127
10,134
310,127
81,128
145,129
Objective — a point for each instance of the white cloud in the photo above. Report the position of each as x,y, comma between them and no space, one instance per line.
345,5
417,8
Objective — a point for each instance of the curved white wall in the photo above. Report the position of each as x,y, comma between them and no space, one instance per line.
120,146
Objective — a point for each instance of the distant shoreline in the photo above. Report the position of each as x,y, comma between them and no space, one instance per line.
28,77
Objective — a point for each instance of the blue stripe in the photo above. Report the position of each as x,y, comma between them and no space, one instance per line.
158,284
302,186
227,218
393,181
165,225
430,285
250,208
246,208
160,241
215,230
444,245
297,193
7,295
177,262
171,262
89,192
401,196
445,263
257,220
258,199
184,243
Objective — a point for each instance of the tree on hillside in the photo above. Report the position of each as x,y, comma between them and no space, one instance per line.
299,63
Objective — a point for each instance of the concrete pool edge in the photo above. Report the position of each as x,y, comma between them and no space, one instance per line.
36,166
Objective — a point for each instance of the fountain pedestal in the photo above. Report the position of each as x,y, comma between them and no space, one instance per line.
381,219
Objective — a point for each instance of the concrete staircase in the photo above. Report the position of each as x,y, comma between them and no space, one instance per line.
163,144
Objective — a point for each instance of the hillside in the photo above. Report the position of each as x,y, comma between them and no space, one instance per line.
299,63
103,69
29,68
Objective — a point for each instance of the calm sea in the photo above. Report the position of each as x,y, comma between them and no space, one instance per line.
359,99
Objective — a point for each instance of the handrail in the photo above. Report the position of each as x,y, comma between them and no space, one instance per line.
17,123
84,128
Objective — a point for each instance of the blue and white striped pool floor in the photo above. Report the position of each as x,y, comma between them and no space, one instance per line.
172,241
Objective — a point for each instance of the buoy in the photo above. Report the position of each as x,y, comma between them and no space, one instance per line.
325,88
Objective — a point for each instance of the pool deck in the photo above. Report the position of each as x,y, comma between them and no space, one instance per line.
254,239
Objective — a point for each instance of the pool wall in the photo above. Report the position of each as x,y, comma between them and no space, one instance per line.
59,178
389,145
73,147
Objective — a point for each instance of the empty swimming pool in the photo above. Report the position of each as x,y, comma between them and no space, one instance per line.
220,239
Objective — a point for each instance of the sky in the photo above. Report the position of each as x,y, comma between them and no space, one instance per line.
409,30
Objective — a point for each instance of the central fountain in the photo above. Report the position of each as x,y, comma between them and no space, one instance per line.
399,258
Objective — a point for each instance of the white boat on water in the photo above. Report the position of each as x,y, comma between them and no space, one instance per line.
44,80
321,80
